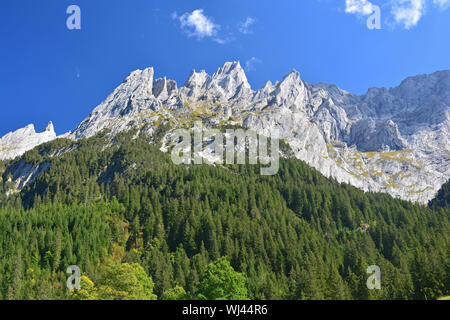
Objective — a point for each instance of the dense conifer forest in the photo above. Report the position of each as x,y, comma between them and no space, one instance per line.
124,210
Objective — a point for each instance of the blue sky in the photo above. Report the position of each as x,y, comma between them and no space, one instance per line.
48,72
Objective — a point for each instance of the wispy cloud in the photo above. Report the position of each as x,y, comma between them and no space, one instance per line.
250,64
196,24
443,4
408,12
361,7
244,27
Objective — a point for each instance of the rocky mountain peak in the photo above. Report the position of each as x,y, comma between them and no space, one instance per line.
422,88
389,140
163,89
292,77
29,129
229,81
291,92
196,84
20,141
230,68
50,128
198,77
146,74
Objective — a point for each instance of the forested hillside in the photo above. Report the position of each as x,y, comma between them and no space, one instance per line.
442,199
124,209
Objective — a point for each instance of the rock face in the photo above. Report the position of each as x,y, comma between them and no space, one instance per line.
369,135
388,140
18,142
22,173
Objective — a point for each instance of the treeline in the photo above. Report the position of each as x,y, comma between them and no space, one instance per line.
442,199
295,235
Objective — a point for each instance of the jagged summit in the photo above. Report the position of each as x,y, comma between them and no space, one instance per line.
196,84
229,81
392,140
50,127
20,141
294,75
367,141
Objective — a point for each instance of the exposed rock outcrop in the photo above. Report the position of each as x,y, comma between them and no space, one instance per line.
16,143
388,140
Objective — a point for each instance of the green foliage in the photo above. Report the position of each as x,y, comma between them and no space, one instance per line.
442,199
117,282
177,293
295,235
125,282
37,246
87,290
221,282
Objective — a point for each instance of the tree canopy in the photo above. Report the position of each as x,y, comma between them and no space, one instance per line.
137,226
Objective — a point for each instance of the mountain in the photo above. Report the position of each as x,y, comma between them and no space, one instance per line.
387,140
442,199
294,235
18,142
111,200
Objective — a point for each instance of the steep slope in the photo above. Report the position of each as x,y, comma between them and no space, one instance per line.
18,142
442,199
395,141
295,235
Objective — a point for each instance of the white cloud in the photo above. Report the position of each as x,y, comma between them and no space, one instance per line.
361,7
408,12
244,27
196,24
443,4
250,64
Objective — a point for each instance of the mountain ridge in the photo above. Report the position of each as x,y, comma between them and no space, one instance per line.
16,143
388,140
